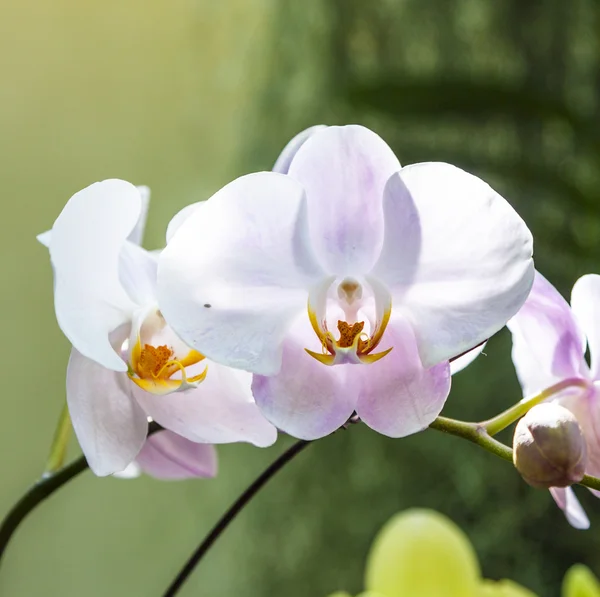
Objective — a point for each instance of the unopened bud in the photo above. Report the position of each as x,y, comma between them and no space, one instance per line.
549,447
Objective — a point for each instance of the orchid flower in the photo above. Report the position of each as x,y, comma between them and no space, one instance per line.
347,284
422,553
125,358
549,344
171,457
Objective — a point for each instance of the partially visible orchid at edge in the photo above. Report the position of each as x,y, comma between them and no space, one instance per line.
549,346
344,282
422,553
127,366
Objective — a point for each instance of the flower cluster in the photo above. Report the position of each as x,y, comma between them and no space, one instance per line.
340,285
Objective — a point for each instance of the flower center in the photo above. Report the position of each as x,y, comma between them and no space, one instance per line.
153,359
353,344
152,368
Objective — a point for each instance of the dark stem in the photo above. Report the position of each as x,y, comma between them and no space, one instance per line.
233,511
43,489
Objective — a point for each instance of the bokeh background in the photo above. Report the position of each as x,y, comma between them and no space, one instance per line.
184,96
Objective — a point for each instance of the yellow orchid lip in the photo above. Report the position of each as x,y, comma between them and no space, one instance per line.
152,367
352,346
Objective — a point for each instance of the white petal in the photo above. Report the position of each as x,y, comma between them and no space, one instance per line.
343,171
44,238
137,273
137,234
282,165
85,249
109,424
133,471
219,411
180,217
471,268
585,301
567,501
237,271
466,359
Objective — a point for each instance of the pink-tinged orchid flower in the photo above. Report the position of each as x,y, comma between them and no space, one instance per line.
125,358
549,344
348,283
171,457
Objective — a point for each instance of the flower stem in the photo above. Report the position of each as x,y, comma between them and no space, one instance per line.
478,434
58,450
503,420
231,513
50,482
35,496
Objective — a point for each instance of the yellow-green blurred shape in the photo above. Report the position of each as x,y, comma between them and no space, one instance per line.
580,581
422,553
503,588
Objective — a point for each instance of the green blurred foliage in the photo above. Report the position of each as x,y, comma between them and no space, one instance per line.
183,96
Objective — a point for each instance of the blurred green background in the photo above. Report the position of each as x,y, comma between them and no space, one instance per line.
183,96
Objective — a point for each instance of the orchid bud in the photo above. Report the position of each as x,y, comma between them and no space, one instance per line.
549,447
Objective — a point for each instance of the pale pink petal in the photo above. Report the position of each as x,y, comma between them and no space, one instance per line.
85,249
306,399
237,272
169,456
282,165
547,343
585,301
109,424
344,171
219,411
567,501
397,396
472,269
585,405
466,359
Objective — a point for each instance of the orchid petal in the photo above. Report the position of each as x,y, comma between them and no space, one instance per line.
132,471
306,399
464,360
109,424
137,234
421,552
237,272
219,411
282,165
473,268
137,273
180,217
344,171
169,456
585,301
547,343
86,243
396,395
580,581
567,501
503,588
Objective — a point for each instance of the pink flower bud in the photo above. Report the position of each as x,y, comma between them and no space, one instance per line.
549,447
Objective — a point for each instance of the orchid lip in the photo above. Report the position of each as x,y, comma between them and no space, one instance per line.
152,369
354,345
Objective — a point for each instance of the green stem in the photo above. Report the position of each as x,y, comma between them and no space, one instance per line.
60,442
478,434
514,413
